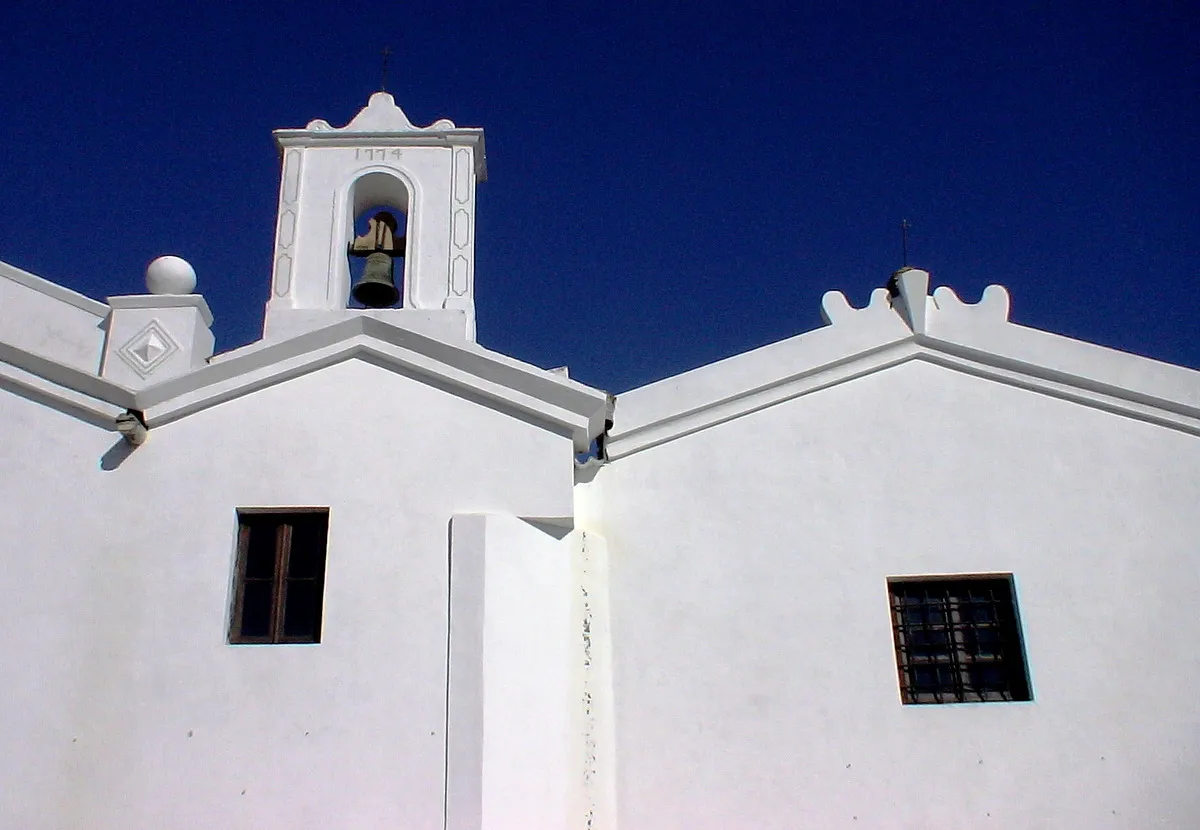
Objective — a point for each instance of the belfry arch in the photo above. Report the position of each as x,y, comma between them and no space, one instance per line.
377,213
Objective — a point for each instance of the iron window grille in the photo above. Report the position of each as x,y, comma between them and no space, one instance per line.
958,640
280,576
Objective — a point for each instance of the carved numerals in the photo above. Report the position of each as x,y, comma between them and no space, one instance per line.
376,153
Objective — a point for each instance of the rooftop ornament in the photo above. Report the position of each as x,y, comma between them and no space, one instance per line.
170,275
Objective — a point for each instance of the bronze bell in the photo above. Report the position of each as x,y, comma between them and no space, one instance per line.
376,288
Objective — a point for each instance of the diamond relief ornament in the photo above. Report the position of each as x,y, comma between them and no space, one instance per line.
146,350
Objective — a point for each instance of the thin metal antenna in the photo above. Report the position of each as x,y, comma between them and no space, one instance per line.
904,226
385,54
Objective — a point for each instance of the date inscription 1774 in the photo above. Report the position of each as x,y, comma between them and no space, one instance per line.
375,154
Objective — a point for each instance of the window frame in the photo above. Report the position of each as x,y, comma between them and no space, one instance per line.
960,651
284,527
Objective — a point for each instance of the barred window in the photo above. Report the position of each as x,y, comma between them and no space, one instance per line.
958,640
279,583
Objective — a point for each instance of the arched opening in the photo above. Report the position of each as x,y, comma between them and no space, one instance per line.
378,246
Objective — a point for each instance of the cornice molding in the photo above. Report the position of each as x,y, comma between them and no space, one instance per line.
1087,391
381,121
65,388
53,289
973,338
893,328
534,394
624,441
195,301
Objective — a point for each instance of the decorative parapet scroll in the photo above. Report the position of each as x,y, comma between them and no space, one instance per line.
836,309
993,306
381,115
907,296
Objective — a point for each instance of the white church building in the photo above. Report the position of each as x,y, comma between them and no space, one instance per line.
921,567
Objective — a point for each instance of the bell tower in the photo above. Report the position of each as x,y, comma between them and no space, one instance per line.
378,218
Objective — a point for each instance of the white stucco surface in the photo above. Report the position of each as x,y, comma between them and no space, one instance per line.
46,319
755,676
515,655
130,708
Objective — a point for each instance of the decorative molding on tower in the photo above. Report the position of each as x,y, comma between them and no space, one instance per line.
382,118
285,234
381,114
462,237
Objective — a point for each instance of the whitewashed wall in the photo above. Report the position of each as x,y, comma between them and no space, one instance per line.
48,320
126,708
755,679
530,707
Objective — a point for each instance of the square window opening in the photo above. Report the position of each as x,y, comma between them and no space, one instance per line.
958,640
279,578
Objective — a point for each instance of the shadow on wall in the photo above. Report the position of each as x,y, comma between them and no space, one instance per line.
115,455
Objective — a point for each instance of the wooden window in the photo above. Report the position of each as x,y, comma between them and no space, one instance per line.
280,577
958,640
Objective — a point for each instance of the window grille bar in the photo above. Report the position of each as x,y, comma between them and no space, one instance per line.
957,641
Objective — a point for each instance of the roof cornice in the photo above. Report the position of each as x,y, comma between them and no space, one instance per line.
464,368
65,388
508,385
53,289
973,338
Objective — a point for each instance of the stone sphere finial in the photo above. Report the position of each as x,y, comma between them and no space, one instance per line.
170,275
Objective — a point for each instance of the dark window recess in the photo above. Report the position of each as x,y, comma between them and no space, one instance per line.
280,577
958,640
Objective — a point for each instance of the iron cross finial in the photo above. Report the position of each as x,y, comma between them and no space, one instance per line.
904,226
385,54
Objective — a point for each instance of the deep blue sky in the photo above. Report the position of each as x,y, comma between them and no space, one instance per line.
670,183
